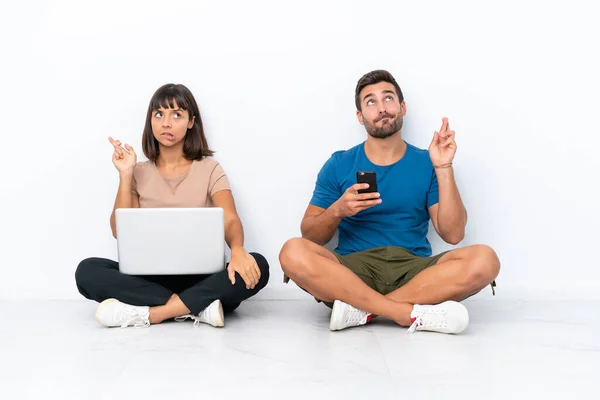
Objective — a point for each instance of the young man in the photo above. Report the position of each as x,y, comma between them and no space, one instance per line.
383,263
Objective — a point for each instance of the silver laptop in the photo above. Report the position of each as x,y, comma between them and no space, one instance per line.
170,241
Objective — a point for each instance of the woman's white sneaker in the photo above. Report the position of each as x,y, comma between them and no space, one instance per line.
111,313
446,317
212,315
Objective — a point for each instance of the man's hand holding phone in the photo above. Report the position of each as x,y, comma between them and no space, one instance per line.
351,202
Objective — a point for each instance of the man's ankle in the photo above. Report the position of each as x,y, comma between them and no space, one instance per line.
402,317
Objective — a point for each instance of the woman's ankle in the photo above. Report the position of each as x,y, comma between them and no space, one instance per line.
156,316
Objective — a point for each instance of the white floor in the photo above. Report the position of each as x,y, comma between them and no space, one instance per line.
283,349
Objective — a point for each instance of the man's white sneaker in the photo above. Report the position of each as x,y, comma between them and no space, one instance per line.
345,316
111,313
212,315
446,317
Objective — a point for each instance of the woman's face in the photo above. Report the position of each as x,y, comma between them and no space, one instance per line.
169,125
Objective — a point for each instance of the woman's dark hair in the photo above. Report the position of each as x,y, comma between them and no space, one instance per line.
371,78
195,146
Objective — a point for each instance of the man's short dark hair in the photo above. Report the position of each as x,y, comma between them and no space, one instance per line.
373,77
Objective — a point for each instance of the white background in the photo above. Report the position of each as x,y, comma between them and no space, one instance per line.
275,84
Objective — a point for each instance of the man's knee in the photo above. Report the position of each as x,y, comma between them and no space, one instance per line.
292,257
483,266
291,252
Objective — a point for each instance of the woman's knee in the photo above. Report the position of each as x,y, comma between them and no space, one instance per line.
86,276
85,271
89,271
263,266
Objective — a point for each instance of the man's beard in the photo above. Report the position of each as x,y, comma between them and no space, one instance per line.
392,126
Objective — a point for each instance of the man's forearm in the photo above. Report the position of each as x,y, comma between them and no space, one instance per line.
452,216
321,228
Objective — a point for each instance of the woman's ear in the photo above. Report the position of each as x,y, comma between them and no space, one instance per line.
192,121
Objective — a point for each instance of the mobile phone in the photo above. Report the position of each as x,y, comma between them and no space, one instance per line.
369,177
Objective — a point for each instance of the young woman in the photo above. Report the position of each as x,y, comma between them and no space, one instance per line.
179,173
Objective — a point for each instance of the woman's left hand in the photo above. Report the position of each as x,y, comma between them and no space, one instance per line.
245,265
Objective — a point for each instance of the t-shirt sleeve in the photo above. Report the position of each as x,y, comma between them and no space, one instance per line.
218,180
433,193
327,189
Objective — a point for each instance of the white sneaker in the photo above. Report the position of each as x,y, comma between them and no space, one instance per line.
212,315
446,317
345,316
111,313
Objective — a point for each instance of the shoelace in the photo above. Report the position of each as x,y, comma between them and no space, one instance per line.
436,319
197,319
355,316
133,317
414,325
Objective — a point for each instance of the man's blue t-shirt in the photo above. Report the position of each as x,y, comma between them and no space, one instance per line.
407,188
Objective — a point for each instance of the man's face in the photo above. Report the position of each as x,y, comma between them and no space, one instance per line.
381,111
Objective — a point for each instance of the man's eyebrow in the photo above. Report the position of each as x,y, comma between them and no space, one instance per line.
369,95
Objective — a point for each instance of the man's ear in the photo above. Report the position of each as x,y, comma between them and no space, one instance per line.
360,117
